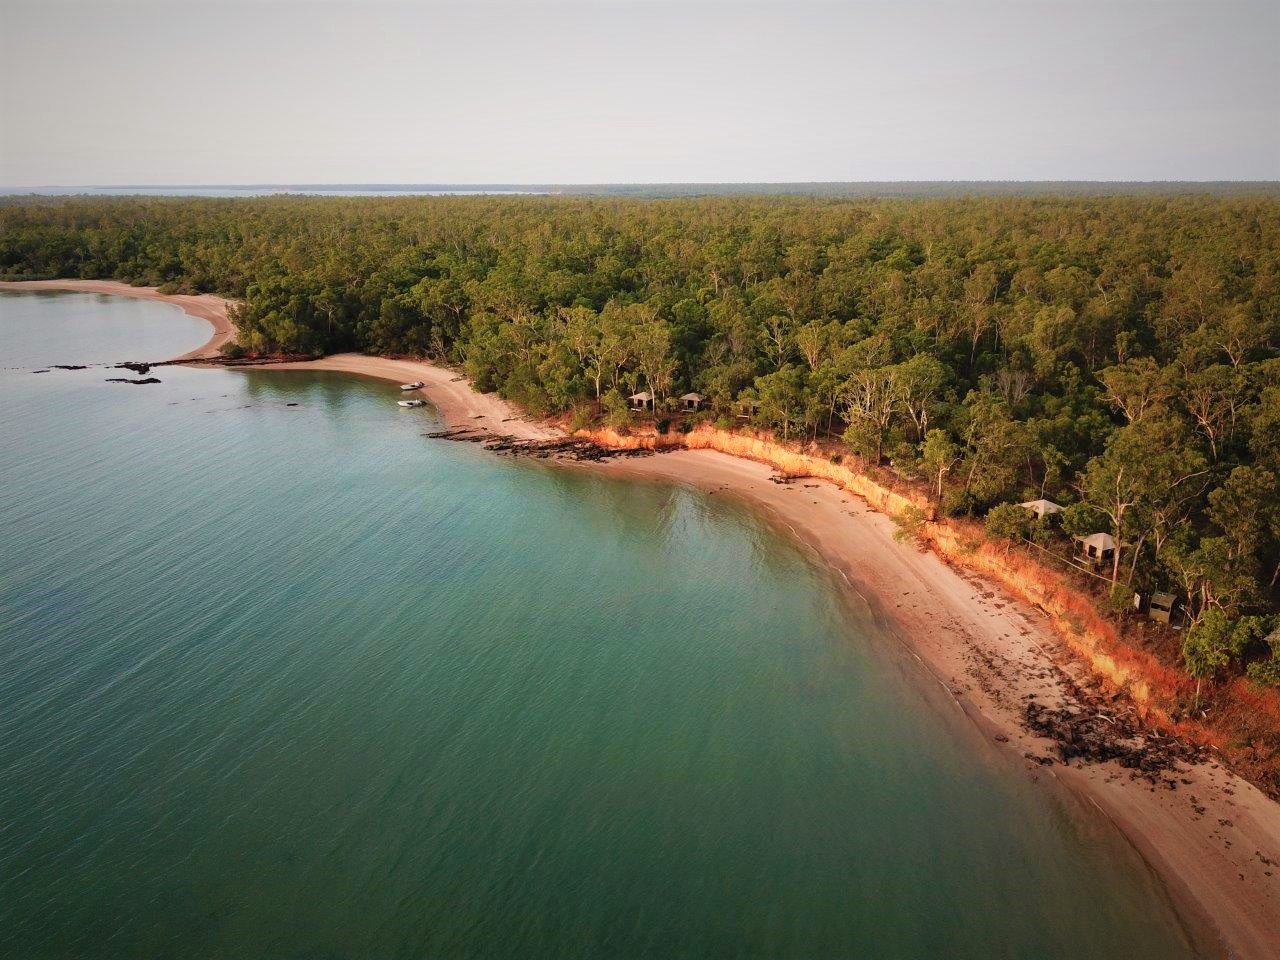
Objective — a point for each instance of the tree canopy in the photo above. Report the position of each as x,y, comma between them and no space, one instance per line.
1117,354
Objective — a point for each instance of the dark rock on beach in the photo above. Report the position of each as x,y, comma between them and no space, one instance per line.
136,383
562,448
1082,731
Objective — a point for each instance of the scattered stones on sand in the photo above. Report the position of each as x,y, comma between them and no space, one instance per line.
560,448
1080,730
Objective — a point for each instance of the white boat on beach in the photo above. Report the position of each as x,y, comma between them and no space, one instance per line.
412,403
416,385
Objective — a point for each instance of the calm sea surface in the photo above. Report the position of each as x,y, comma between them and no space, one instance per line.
285,681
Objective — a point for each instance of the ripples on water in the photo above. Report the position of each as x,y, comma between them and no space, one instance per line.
288,682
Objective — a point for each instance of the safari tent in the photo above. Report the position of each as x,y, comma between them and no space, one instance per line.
641,401
691,402
1097,548
1042,508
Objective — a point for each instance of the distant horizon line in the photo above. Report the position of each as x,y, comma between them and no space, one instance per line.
829,190
616,183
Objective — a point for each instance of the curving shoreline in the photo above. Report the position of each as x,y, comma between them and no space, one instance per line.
987,651
1206,840
205,306
453,396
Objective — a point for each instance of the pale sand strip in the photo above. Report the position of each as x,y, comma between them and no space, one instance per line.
204,306
989,651
985,650
459,404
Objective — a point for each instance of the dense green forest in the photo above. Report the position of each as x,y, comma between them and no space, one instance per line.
847,189
1118,355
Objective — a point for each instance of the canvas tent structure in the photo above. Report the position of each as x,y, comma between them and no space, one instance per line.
1097,548
641,401
691,402
1042,508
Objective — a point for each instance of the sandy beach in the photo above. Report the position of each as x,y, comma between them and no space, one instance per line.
205,306
458,403
1214,839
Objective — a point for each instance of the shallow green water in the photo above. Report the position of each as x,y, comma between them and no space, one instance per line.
294,681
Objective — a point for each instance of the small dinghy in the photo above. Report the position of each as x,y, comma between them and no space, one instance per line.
416,385
412,403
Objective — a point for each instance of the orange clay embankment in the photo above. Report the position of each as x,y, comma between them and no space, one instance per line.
1243,713
762,449
1212,837
1154,687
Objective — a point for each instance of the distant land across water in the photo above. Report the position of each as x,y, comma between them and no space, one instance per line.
885,188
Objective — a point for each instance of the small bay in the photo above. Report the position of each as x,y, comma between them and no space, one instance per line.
281,678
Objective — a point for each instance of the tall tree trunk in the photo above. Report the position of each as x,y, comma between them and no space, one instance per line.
1134,566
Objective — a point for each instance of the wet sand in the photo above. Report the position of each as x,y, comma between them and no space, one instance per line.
458,403
1214,840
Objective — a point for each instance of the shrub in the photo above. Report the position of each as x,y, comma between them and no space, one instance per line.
1265,672
864,441
1044,530
959,503
1120,599
1216,641
618,414
1008,521
910,522
1082,519
581,418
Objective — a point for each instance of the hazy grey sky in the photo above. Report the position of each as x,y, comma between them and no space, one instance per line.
291,91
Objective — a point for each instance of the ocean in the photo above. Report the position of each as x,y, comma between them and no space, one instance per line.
281,677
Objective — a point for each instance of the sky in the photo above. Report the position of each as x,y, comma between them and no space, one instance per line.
607,91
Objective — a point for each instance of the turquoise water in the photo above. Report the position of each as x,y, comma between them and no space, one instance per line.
297,682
